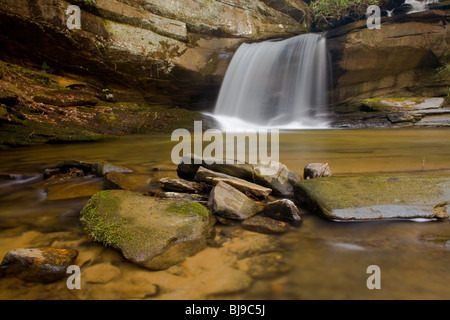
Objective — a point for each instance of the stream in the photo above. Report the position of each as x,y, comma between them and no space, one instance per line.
320,259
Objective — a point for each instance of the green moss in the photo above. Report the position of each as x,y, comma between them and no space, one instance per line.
189,209
98,222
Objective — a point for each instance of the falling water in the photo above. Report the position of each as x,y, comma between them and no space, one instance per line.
276,84
419,5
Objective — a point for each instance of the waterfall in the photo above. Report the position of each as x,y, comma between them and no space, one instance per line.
276,84
419,5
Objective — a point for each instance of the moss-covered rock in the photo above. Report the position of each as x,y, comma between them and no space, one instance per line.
377,197
151,232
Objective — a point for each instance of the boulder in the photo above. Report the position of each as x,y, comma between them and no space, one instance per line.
317,170
154,233
228,202
283,210
38,264
266,225
377,197
276,176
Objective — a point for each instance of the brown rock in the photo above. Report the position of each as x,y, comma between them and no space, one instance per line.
38,264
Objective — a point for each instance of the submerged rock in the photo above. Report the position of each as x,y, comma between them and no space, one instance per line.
266,225
154,233
317,170
98,168
126,181
228,202
38,264
377,197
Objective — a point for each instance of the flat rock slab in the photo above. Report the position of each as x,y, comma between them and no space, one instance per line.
377,197
266,225
154,233
403,104
38,264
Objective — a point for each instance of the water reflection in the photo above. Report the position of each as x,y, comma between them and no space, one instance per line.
320,260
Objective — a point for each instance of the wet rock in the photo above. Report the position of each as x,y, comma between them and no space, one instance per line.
180,185
154,233
273,175
228,202
203,175
377,197
246,187
100,273
102,168
48,173
391,105
66,98
266,225
276,176
265,266
38,264
73,189
283,210
125,181
179,196
98,168
317,170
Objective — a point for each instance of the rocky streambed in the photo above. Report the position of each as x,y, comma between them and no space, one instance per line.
159,229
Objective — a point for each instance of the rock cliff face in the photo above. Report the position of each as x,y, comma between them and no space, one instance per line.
171,52
407,57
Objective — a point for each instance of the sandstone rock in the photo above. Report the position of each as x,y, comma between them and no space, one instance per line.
266,225
100,273
373,64
377,197
202,175
266,266
245,187
153,233
180,185
283,210
172,51
317,170
228,202
38,264
179,196
273,175
390,105
126,181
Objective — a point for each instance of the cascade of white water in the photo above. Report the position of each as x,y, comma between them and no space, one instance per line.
276,84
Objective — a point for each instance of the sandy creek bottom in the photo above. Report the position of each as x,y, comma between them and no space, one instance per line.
319,260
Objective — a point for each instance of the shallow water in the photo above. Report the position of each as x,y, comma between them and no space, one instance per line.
319,260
